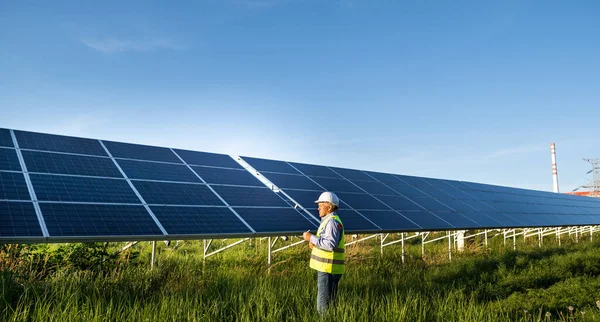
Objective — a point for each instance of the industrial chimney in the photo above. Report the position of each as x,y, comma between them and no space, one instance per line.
554,171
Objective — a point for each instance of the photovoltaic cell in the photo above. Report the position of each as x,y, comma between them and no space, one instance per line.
337,185
285,181
361,201
305,198
351,174
157,171
13,186
6,138
140,152
482,219
47,162
58,143
457,220
354,222
250,196
18,219
399,203
390,220
315,170
9,160
166,193
270,220
198,220
98,220
375,188
227,176
208,159
270,165
82,189
427,220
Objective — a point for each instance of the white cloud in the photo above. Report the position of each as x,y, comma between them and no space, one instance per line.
112,45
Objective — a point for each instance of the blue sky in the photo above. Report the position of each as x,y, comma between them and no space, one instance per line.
467,90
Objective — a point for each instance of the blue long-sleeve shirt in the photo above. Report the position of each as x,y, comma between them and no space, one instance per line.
330,236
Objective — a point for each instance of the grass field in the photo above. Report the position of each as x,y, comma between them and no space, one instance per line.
89,282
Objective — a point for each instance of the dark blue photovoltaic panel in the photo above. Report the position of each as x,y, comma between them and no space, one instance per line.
290,181
483,219
13,186
270,165
47,162
250,196
351,174
58,143
209,159
354,222
9,160
198,220
98,220
384,177
157,171
270,220
305,198
239,177
82,189
361,201
390,220
6,138
457,220
337,185
430,204
315,170
18,219
166,193
407,190
427,220
140,152
399,203
375,188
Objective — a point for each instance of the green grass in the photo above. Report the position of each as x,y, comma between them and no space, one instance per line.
79,282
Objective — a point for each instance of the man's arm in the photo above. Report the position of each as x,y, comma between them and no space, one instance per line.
330,237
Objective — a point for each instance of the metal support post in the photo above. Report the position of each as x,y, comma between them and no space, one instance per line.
153,255
558,235
591,233
486,239
402,248
269,258
577,234
540,238
515,239
449,246
382,239
504,232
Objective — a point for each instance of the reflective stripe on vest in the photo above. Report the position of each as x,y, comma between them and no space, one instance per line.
329,261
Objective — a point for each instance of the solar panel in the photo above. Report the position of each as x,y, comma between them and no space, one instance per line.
13,186
140,152
90,190
18,219
98,220
9,160
6,138
82,189
58,163
157,171
58,143
199,220
167,193
208,159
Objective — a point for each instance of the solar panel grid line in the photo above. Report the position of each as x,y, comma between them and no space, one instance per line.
391,208
269,184
385,184
160,226
323,189
65,153
213,191
36,206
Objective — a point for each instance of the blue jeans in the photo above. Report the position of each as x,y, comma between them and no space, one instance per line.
327,285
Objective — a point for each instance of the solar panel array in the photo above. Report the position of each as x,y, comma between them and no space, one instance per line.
58,188
382,202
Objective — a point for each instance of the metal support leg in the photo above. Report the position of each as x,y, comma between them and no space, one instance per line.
269,258
423,245
153,255
591,233
382,239
504,232
449,246
540,238
486,240
577,234
515,239
558,235
402,248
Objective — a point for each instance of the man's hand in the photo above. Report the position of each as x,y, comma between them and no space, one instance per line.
306,235
311,245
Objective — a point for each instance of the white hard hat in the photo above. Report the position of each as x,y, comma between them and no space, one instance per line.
329,197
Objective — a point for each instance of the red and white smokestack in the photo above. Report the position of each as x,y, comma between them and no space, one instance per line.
554,171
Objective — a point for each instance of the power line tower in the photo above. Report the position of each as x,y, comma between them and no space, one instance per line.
594,185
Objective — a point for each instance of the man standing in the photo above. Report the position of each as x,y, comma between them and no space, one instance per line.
327,255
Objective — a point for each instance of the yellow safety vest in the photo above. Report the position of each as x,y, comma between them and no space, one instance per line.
326,261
